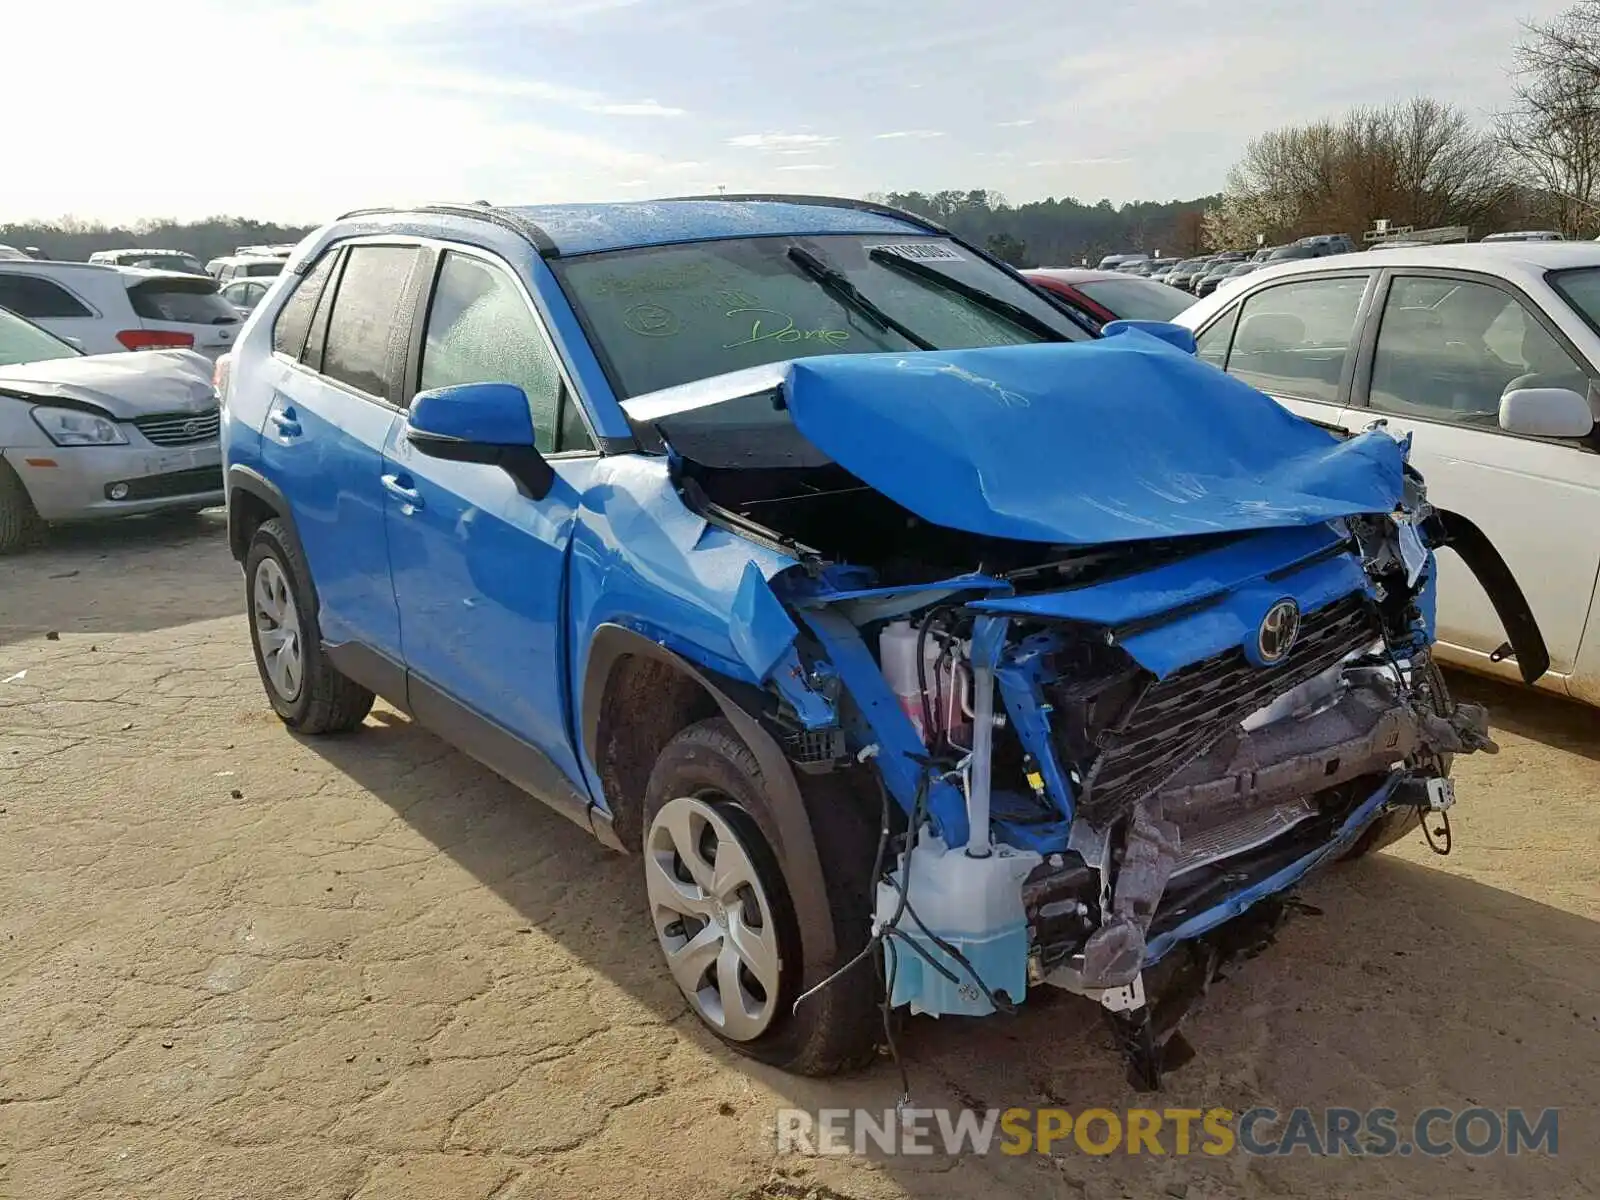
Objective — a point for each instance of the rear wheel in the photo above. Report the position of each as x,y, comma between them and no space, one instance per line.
724,914
20,525
305,689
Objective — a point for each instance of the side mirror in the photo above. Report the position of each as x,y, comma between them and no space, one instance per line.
1173,335
488,423
1546,412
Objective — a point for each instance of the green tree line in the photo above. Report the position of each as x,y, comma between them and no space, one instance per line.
1064,232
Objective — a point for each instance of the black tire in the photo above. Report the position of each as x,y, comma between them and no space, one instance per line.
1385,831
838,1028
327,701
20,525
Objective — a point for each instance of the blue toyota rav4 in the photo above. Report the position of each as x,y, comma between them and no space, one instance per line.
924,649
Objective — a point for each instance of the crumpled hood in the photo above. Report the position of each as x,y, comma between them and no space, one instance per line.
1117,439
121,385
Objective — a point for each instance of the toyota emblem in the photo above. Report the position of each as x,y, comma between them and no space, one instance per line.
1275,637
191,428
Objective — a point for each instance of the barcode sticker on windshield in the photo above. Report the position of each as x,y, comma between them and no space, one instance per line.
923,251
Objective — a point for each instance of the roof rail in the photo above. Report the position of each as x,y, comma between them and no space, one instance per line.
480,210
882,210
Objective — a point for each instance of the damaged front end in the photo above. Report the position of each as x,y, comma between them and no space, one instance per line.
1122,707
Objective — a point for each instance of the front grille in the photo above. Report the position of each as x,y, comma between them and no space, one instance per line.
175,483
1179,717
180,429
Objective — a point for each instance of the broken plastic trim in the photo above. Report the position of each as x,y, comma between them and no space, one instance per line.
1477,552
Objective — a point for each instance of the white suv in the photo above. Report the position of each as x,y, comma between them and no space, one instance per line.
244,266
103,309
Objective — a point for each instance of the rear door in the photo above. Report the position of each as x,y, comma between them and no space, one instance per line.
185,306
57,308
1442,349
335,398
480,569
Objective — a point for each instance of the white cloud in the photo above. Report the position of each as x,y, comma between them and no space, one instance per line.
528,100
370,117
646,108
781,143
807,167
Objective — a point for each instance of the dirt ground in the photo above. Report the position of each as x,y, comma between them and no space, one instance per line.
234,964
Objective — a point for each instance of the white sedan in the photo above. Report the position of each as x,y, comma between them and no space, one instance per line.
1489,355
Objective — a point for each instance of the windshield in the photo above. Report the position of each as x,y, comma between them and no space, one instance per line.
1137,299
186,301
1580,289
167,262
24,342
660,316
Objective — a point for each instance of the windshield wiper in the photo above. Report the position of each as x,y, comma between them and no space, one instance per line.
834,282
1004,308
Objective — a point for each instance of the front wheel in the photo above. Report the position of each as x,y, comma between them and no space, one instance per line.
305,689
724,914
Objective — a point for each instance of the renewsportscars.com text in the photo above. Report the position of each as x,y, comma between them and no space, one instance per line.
1373,1132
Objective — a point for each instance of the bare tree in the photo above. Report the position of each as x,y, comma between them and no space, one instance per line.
1551,131
1418,163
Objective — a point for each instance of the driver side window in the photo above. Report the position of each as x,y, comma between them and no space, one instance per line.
1448,349
481,330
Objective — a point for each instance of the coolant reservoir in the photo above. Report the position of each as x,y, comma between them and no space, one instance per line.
947,682
975,905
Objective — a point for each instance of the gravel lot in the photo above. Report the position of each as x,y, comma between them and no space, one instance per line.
234,964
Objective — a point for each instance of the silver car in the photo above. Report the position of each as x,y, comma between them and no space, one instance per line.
108,435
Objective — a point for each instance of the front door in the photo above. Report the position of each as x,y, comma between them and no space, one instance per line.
1296,342
1448,348
480,569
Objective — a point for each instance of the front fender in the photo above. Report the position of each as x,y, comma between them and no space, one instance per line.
786,823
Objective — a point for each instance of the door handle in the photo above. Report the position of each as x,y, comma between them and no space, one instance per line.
285,422
398,489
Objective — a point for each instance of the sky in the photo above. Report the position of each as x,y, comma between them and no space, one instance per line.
296,110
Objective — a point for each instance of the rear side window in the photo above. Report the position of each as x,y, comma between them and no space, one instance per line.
38,299
1137,299
1293,339
294,318
191,301
255,270
366,330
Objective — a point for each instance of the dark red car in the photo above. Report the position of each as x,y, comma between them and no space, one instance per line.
1103,296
